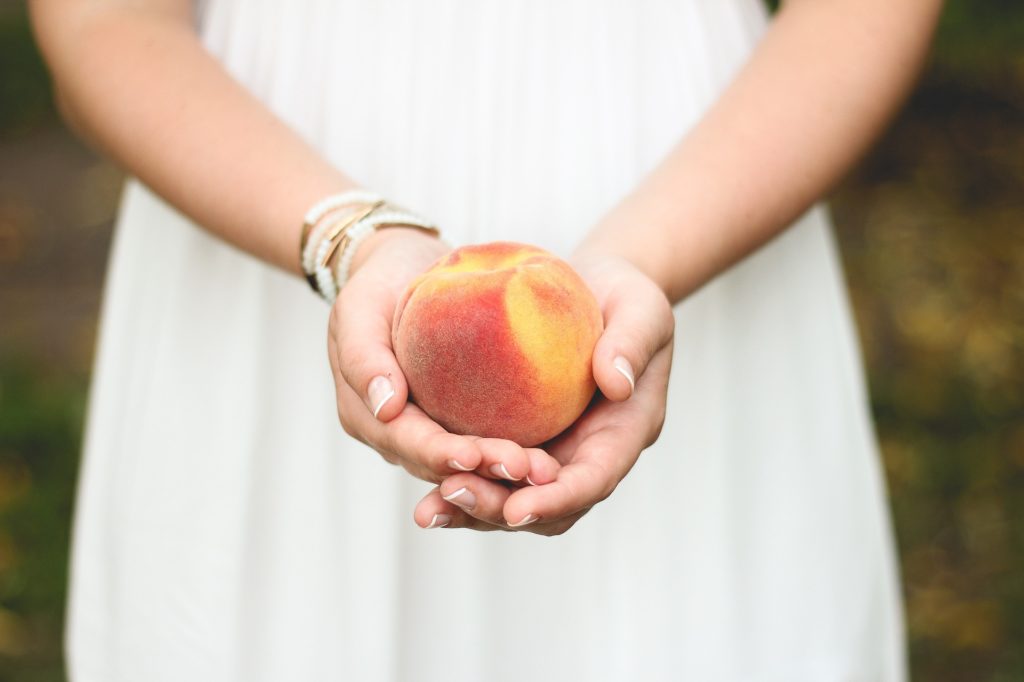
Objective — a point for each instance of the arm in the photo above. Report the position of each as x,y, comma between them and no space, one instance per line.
817,91
133,78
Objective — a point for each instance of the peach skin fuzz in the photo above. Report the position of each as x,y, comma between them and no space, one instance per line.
496,340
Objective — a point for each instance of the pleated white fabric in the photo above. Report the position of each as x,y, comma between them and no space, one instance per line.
227,529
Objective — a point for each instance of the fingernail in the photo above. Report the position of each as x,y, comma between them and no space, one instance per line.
380,392
529,480
622,365
462,497
500,471
527,520
455,465
439,521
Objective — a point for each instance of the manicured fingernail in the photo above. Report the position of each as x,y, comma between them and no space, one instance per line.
439,521
623,367
527,520
529,480
380,392
462,498
500,471
455,465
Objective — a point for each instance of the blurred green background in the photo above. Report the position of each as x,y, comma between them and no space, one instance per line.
930,228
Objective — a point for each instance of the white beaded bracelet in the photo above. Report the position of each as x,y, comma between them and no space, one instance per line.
325,284
357,237
313,229
364,229
332,236
323,234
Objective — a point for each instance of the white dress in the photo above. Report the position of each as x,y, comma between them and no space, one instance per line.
227,529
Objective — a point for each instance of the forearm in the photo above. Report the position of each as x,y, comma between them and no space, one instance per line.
134,79
818,89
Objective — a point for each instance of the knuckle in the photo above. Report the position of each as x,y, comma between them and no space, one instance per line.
354,360
663,305
667,318
555,529
602,491
430,454
348,427
659,424
602,483
343,419
349,431
390,442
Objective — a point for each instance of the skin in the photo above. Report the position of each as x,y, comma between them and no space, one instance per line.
133,79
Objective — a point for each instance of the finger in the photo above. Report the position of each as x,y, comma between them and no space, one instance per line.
550,529
502,459
478,497
434,512
543,467
415,436
421,445
601,461
597,461
361,328
638,322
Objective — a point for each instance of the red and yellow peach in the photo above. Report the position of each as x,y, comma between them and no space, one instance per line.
496,340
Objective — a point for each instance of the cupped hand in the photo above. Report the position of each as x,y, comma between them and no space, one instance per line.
631,364
372,392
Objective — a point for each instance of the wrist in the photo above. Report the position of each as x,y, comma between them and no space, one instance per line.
607,251
647,238
356,223
391,245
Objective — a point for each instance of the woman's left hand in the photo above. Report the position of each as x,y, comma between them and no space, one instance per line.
631,364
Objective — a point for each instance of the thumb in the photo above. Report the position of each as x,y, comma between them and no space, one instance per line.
638,323
361,327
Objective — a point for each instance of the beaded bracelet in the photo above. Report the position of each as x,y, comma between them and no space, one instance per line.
313,229
332,238
367,227
337,225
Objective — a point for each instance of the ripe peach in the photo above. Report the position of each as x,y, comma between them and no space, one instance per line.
496,340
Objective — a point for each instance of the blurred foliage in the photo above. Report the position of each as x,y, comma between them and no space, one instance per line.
930,228
981,35
40,423
26,101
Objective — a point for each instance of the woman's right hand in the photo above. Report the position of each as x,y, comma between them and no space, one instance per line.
371,389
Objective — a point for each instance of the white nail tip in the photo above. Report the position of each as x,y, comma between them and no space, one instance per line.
455,465
529,480
383,402
622,366
528,519
450,498
500,470
439,521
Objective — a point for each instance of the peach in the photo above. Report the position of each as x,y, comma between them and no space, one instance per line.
496,340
